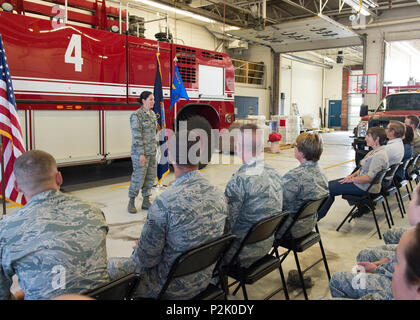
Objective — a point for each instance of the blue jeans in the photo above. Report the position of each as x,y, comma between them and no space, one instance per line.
336,189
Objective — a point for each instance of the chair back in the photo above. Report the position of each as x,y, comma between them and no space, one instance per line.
389,176
121,289
197,259
378,178
412,165
416,161
263,229
309,208
405,164
260,231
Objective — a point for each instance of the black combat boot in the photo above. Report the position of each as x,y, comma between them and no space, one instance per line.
131,207
146,203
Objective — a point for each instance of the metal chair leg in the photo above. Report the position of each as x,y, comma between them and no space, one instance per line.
325,260
283,280
237,288
300,275
408,192
402,201
244,291
377,226
389,210
399,205
349,214
386,215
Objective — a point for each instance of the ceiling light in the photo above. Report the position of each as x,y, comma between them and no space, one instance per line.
356,6
175,10
231,28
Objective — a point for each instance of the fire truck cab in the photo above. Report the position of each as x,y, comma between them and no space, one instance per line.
76,87
394,106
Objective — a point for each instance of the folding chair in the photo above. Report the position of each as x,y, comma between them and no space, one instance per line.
369,200
399,183
120,289
388,188
260,231
197,259
413,172
309,208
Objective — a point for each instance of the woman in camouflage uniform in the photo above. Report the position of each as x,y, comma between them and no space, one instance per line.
143,151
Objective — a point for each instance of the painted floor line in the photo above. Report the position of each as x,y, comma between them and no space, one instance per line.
338,164
120,186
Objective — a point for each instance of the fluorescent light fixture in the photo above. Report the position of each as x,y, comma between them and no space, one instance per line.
175,10
231,28
321,57
356,6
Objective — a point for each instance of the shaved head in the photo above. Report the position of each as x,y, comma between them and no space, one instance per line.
34,170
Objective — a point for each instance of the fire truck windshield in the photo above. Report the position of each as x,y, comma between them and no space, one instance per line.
406,101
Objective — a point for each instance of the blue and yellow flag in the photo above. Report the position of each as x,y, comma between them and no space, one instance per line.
159,109
178,89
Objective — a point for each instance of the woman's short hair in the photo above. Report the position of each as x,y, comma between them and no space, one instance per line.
398,127
412,256
409,135
377,132
310,144
143,96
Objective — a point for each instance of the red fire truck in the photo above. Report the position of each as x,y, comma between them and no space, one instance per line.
76,87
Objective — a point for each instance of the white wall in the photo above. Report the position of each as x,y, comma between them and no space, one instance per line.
184,32
333,83
191,32
302,84
400,64
263,92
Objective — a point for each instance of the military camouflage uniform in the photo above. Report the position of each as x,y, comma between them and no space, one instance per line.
55,244
394,235
189,213
144,142
306,182
416,142
378,285
254,192
368,287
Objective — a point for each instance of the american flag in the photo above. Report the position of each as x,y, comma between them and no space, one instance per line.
10,131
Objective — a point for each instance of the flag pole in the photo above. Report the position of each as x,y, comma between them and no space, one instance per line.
3,189
159,185
175,110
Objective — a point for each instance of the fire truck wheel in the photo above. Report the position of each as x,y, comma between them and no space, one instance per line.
198,122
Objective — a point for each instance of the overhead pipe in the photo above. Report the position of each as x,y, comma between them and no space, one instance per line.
387,23
306,61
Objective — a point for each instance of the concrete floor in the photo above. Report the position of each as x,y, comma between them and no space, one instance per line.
341,247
